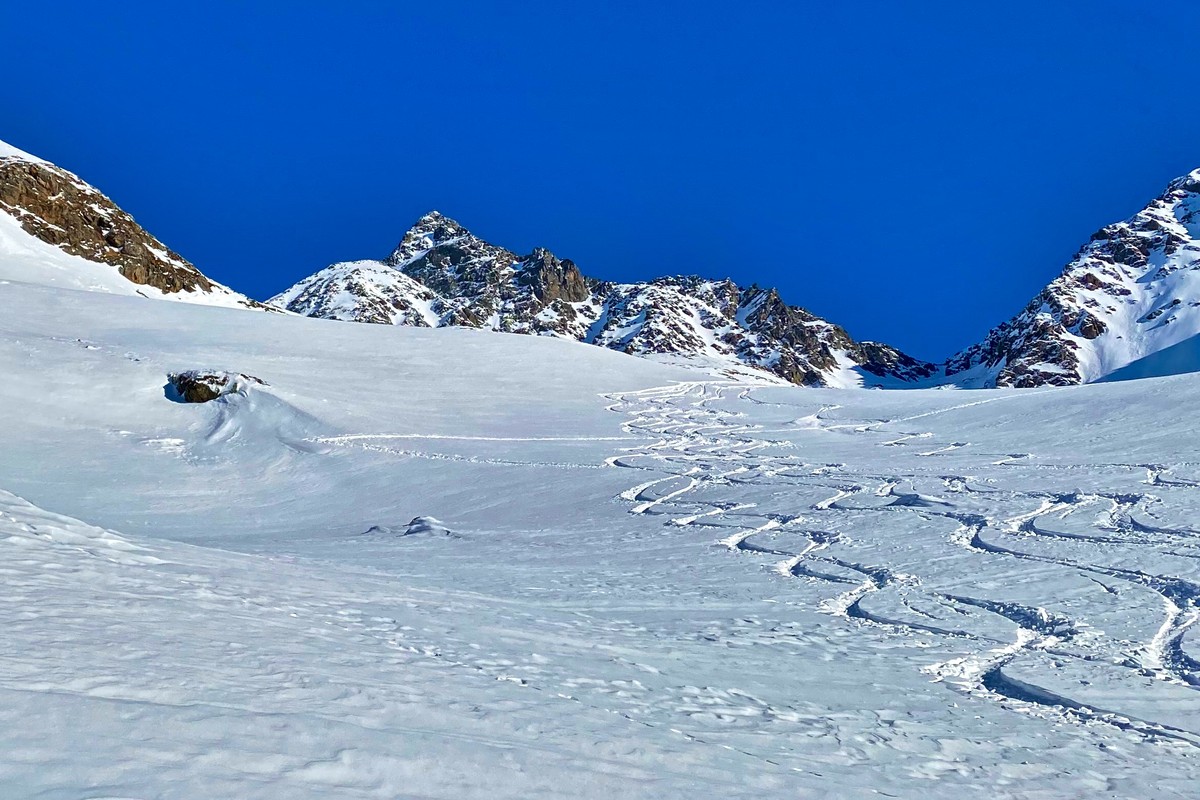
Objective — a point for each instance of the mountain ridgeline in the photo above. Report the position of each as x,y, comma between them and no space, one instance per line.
1127,305
441,274
1131,292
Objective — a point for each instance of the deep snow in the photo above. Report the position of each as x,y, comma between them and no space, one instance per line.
658,582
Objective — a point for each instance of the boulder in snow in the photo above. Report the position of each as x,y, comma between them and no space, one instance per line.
201,386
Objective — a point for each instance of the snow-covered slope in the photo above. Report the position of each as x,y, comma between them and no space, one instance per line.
1132,291
55,229
362,291
643,581
7,151
459,279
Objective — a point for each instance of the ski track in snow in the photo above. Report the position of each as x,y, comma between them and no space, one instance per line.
835,535
699,445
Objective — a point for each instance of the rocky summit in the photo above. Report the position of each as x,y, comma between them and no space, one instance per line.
441,274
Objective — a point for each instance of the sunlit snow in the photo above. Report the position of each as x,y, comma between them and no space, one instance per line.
632,579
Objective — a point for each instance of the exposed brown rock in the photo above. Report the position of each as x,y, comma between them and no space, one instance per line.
62,210
554,279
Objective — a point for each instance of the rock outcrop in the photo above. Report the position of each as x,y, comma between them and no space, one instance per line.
432,525
58,208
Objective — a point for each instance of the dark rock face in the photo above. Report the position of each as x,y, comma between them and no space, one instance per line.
202,386
884,360
455,278
59,209
552,279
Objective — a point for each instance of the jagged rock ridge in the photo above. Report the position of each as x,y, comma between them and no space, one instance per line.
1132,291
441,274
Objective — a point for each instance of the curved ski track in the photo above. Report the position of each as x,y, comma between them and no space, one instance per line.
705,454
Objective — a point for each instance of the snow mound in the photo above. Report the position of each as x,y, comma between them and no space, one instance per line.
426,525
8,151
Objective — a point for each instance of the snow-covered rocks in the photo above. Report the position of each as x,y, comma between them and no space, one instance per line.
428,525
362,291
441,274
201,386
416,527
1130,292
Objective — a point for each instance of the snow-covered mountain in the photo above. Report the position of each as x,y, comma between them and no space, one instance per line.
441,274
238,563
642,581
1131,292
55,229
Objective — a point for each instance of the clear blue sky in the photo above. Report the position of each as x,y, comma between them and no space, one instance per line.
914,171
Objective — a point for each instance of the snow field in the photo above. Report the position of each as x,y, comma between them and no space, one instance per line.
660,583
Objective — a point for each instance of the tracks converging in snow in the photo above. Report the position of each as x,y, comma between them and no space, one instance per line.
1060,603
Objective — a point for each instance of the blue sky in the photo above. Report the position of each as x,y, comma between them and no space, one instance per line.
914,171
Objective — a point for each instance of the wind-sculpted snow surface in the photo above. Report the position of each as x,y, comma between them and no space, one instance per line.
468,565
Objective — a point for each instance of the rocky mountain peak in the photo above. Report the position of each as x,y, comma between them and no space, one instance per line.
432,230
